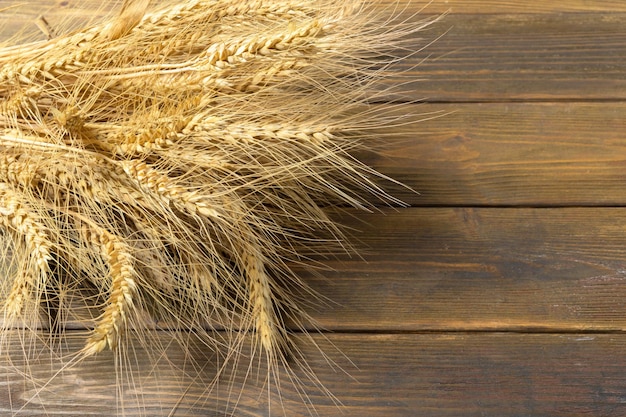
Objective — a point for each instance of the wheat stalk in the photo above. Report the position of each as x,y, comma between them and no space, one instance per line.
178,159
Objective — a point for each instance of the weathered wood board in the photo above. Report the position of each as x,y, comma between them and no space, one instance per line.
432,374
501,290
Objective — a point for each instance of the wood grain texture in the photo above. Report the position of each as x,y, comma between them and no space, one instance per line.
481,269
532,154
501,292
521,57
491,51
403,375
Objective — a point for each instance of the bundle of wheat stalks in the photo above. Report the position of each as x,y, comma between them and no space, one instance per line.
175,162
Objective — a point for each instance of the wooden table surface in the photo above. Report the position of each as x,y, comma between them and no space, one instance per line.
501,290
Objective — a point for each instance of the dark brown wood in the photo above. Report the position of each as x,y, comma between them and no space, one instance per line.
514,57
501,293
500,6
503,269
433,374
488,53
476,269
549,154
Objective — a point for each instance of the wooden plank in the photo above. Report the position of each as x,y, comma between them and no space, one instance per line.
510,154
461,374
60,9
480,269
513,57
502,54
507,6
484,269
452,269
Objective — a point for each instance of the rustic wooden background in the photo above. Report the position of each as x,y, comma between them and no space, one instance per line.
501,291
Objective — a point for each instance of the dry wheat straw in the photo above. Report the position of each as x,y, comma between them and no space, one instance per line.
178,160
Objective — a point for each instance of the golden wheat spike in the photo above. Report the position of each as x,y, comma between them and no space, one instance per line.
178,158
117,256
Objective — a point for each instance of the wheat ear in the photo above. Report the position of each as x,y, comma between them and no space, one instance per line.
19,217
177,161
163,186
114,319
261,299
